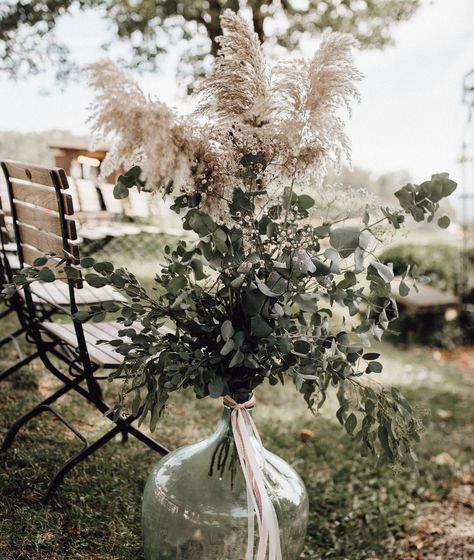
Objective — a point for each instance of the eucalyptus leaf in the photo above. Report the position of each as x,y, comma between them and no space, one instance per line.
444,222
175,285
260,327
227,348
384,271
301,347
237,359
227,330
46,275
120,191
40,261
81,316
403,288
95,280
345,239
351,423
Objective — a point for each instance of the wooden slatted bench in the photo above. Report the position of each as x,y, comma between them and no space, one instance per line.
426,299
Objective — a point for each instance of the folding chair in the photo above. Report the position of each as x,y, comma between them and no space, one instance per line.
96,216
43,207
49,298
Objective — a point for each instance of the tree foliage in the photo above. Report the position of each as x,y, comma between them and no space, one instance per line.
28,43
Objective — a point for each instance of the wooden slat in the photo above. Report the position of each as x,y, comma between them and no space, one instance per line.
43,220
41,196
62,178
45,242
102,354
103,331
9,247
58,293
13,261
29,172
89,295
30,254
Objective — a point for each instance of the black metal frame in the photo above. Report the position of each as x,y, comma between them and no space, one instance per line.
15,306
83,366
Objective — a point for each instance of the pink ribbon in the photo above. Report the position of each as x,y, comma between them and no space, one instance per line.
251,460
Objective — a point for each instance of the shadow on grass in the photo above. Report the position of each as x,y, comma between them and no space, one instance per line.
94,515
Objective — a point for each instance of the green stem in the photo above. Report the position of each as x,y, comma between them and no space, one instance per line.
288,205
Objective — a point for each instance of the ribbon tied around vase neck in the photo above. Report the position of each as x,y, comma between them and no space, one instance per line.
250,453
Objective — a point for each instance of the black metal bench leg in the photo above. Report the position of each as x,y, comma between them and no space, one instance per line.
75,459
123,425
124,436
150,442
38,409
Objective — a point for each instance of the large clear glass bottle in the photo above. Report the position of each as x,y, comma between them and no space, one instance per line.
195,502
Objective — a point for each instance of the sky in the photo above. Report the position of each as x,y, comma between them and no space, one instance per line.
410,118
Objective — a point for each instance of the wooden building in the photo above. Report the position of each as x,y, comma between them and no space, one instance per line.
80,162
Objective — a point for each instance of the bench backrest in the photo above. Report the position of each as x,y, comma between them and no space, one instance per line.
42,211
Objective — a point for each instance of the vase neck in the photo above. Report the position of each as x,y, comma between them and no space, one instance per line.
224,454
224,424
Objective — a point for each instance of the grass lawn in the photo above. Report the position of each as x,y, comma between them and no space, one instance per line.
357,512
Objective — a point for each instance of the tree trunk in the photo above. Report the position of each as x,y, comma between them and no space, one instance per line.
213,26
258,19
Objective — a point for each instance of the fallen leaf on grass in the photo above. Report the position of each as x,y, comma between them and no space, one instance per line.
442,459
306,435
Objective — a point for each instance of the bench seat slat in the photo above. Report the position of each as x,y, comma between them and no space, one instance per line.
30,254
102,354
58,293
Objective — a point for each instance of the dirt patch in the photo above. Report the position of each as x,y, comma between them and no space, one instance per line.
445,530
462,356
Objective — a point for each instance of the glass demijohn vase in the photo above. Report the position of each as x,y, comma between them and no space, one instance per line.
195,502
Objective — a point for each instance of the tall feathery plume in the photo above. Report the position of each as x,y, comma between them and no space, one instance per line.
238,88
236,99
141,130
332,86
309,96
115,114
290,117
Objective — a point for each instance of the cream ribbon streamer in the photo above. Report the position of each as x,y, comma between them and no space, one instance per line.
259,502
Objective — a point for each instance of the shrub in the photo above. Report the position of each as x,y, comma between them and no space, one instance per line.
441,262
